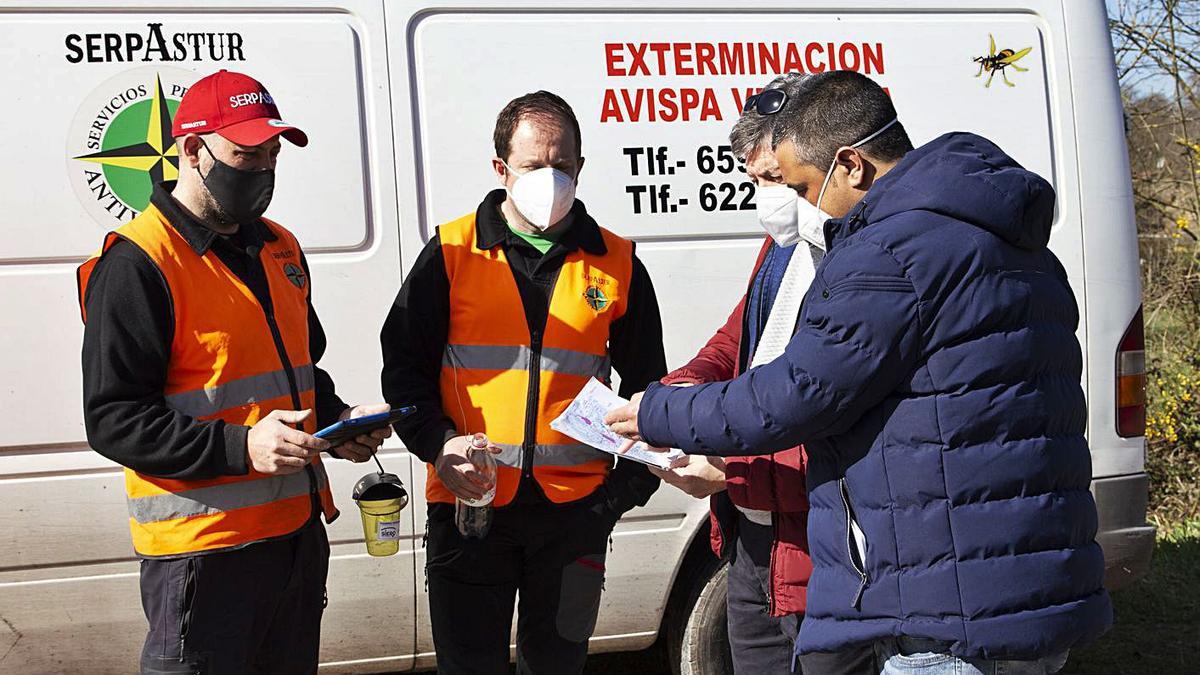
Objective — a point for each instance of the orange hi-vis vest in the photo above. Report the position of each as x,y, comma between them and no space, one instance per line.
225,365
498,379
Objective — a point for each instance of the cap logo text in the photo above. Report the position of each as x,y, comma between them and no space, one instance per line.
252,98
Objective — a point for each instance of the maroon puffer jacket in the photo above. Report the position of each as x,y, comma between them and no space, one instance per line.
766,482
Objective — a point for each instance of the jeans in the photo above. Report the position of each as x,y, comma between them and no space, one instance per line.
917,656
760,643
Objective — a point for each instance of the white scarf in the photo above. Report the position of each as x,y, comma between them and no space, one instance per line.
785,312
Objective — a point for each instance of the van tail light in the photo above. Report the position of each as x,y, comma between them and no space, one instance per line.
1131,380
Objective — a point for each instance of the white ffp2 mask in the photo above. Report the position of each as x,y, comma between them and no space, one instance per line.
788,218
542,196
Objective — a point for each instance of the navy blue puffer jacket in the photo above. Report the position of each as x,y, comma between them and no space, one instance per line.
934,379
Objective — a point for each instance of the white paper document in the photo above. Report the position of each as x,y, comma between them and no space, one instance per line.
583,420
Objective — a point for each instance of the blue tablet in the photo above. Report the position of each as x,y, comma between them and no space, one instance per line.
347,430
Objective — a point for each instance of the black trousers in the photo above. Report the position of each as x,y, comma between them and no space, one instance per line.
552,556
252,610
763,644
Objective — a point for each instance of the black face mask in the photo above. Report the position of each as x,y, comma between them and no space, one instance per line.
242,195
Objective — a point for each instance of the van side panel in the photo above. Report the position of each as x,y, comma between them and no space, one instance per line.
87,85
656,88
399,100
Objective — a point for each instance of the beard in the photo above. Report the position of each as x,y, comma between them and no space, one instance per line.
211,211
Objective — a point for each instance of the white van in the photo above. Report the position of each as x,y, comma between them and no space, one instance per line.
399,100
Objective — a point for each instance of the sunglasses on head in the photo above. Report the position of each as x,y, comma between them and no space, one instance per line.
768,102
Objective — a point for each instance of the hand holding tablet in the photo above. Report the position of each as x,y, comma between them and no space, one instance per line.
347,430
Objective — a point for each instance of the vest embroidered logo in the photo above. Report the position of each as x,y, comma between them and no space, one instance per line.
596,299
295,275
120,142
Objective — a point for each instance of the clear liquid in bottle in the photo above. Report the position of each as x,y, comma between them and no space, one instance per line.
473,517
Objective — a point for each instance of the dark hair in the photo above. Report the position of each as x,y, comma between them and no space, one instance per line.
540,105
835,109
753,129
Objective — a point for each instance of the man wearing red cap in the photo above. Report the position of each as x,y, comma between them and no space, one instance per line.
200,377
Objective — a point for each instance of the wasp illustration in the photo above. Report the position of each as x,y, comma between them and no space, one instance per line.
996,62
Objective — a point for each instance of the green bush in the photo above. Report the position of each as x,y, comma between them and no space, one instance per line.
1171,278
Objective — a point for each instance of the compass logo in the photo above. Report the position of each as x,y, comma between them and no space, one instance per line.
120,143
595,297
295,275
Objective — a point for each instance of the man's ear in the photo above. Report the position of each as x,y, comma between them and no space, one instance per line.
859,171
499,169
579,170
190,147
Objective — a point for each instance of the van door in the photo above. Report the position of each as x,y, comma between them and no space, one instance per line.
91,92
656,90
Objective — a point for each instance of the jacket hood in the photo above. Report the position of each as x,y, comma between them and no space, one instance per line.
967,177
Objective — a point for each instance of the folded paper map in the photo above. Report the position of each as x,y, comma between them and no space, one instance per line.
583,420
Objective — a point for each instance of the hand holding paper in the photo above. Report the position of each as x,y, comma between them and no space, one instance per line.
623,420
699,477
584,420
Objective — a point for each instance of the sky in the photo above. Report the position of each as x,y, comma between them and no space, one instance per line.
1162,84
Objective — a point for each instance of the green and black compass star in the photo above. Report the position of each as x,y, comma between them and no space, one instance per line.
138,149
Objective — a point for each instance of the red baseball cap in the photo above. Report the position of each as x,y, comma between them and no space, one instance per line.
236,106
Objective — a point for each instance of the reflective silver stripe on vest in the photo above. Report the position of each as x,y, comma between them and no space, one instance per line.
262,387
511,457
571,362
219,498
510,357
572,454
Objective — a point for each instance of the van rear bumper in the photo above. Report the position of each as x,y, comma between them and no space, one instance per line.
1127,540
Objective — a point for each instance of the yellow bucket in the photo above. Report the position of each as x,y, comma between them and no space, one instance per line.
381,525
381,497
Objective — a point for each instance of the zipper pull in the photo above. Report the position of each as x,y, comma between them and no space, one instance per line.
857,602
